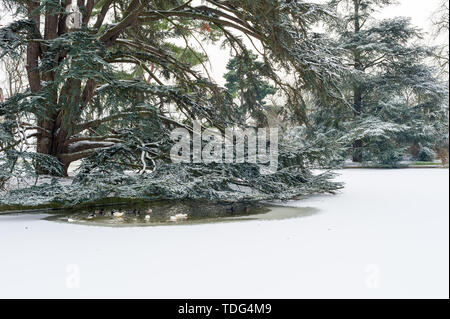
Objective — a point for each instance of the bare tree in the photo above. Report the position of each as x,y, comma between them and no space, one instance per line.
15,76
440,20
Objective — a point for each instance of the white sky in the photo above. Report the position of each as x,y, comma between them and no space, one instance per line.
420,12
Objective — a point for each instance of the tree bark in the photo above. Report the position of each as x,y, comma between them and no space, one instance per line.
34,79
56,126
357,90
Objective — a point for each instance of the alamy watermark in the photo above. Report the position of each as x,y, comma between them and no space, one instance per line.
262,144
73,276
373,276
74,17
213,146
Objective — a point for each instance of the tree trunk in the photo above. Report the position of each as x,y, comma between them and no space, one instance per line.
55,125
63,109
358,144
34,80
357,90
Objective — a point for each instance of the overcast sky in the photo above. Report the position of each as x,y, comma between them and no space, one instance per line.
420,12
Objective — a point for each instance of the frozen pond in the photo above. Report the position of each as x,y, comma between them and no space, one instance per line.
162,214
386,235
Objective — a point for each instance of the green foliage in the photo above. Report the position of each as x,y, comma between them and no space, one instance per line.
23,166
221,183
245,81
110,92
14,36
426,155
397,100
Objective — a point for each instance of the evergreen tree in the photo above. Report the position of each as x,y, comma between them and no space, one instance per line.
108,83
396,100
245,81
72,72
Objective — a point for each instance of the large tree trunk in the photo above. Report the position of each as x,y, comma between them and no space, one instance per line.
63,109
56,126
34,80
46,138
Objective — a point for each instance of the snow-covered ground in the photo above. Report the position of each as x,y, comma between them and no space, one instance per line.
386,235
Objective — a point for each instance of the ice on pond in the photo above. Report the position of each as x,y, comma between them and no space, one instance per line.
173,213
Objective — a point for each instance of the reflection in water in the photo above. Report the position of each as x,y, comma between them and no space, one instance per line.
174,213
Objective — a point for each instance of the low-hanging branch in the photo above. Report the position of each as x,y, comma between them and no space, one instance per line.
136,69
157,15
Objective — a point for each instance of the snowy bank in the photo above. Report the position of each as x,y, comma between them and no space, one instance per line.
386,235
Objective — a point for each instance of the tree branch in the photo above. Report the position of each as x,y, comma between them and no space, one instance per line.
131,15
157,15
72,157
102,14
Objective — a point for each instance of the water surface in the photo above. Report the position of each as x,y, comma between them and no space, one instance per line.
164,214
